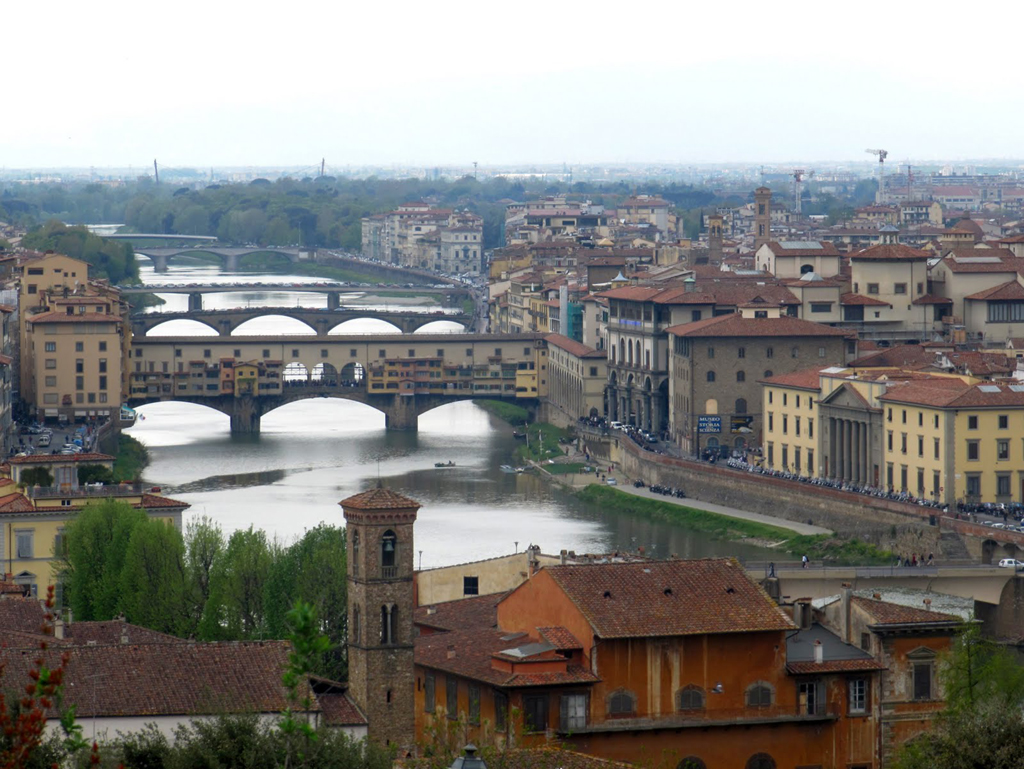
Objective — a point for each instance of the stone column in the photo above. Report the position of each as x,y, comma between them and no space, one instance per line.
832,447
847,450
864,458
855,429
839,449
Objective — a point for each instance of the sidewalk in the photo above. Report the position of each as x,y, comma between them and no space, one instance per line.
626,485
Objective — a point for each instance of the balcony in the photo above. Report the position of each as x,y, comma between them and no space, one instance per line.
388,572
702,719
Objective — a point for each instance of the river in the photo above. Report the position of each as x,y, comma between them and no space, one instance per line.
314,453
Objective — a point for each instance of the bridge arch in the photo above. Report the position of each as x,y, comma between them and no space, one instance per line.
324,372
988,549
441,326
353,372
363,326
295,372
182,327
271,325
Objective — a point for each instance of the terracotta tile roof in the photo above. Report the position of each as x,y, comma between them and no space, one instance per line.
669,598
735,325
890,252
932,299
15,503
556,758
833,666
559,637
949,392
827,249
860,299
979,260
379,499
898,355
112,632
573,347
468,653
809,379
1009,291
886,613
23,614
478,612
155,501
173,679
59,459
336,707
728,292
63,317
969,225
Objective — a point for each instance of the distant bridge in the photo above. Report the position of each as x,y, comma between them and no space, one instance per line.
402,375
230,257
160,236
321,321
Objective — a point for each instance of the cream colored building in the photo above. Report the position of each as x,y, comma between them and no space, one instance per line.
577,376
794,258
891,277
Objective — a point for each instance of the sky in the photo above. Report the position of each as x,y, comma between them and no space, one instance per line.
226,83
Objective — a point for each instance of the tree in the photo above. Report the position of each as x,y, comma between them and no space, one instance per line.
94,474
153,590
97,541
37,476
982,725
235,609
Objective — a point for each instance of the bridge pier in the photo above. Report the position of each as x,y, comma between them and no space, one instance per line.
159,263
401,414
195,301
333,300
245,416
231,262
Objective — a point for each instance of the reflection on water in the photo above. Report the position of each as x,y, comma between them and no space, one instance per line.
312,454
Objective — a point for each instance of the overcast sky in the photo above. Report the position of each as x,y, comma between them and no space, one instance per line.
228,83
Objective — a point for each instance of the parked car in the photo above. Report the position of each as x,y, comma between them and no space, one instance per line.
611,482
1011,563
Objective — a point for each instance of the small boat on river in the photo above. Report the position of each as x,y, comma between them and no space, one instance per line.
444,464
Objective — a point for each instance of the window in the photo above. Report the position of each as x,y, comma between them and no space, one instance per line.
388,546
760,761
79,382
922,680
858,690
711,352
500,711
429,695
471,586
621,703
103,346
741,352
103,366
759,695
794,352
51,347
206,353
865,641
872,288
711,376
535,713
1004,421
807,697
388,624
79,346
769,352
1002,449
768,373
572,711
740,407
1002,485
810,427
24,543
771,422
103,383
451,696
972,423
899,288
821,307
973,485
690,698
920,446
785,424
474,704
972,450
741,376
79,366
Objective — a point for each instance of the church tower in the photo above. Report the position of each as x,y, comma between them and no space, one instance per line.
379,523
715,236
762,216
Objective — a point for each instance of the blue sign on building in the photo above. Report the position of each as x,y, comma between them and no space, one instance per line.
708,424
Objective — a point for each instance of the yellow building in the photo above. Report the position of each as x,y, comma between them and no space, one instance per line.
577,376
32,518
74,340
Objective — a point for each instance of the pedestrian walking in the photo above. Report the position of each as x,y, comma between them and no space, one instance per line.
804,561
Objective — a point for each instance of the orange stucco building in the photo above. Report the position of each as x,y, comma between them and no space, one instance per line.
676,664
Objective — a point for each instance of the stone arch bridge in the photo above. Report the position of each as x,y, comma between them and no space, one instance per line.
401,375
224,322
230,256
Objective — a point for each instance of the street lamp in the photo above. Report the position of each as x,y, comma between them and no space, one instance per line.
469,759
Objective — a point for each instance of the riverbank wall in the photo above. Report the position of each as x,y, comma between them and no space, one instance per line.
883,523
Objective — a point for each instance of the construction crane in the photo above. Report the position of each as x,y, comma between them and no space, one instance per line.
882,155
798,177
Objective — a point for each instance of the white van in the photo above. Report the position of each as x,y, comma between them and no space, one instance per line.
44,440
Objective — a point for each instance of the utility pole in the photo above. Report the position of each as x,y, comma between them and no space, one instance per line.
474,170
323,161
156,171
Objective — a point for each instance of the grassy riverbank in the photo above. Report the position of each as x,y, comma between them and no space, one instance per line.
817,547
507,412
132,458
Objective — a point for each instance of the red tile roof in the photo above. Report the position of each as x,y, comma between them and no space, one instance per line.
1009,291
860,299
379,499
827,249
886,613
15,503
559,637
950,392
809,379
669,598
173,679
890,252
975,260
23,614
932,299
59,459
573,347
63,317
735,325
833,666
898,355
478,612
112,632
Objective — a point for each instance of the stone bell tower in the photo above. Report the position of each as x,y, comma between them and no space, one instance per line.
762,216
715,246
380,607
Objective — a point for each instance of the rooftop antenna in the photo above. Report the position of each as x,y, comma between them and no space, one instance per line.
474,169
322,162
882,155
156,171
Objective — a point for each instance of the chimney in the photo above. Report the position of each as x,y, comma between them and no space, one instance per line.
845,620
877,596
58,629
124,635
928,603
819,653
451,651
562,556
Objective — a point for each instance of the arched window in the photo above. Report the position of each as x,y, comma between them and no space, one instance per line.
647,358
741,376
711,376
711,406
355,626
691,762
355,553
629,350
621,703
622,351
760,761
385,624
741,406
767,373
690,698
388,546
759,695
806,268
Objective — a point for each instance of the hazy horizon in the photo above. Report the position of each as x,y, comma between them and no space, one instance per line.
452,83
